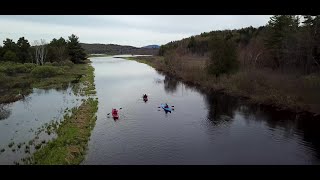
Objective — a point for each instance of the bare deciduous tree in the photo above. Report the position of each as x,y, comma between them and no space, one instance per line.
61,51
40,51
251,54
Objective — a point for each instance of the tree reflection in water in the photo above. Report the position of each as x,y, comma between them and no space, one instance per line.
5,112
170,84
222,108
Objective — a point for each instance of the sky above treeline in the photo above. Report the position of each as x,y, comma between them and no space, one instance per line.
133,30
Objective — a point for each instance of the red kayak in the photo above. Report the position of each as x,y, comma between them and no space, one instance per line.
115,113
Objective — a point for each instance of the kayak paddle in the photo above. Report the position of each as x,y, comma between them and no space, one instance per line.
109,113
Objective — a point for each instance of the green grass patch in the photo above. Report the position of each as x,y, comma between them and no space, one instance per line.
73,132
99,55
88,81
19,83
73,135
46,71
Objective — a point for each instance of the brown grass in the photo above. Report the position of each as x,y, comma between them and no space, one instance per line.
263,86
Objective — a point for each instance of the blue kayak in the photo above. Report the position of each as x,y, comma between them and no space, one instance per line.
166,109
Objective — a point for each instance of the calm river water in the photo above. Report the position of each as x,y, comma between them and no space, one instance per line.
202,129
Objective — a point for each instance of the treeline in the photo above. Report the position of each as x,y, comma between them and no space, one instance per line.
287,43
58,50
113,49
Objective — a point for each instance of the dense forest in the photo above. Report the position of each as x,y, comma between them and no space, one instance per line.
277,64
287,43
41,65
58,50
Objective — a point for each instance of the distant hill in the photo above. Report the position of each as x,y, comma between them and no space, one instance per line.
152,47
114,49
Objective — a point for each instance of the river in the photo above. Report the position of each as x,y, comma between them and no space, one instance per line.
202,129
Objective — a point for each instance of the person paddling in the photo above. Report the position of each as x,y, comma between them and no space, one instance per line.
114,111
166,106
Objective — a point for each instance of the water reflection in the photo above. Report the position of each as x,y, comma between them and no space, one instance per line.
204,129
311,133
21,119
158,81
305,126
170,84
5,112
222,110
27,103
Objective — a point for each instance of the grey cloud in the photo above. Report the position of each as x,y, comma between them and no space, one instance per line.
132,30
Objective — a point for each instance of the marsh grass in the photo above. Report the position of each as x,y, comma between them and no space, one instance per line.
17,80
294,92
72,137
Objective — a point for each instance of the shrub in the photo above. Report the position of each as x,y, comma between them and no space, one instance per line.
20,68
14,69
63,63
66,68
29,66
11,69
67,63
223,57
2,78
10,56
55,64
2,69
46,71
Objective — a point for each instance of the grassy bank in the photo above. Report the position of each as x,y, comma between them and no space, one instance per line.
261,86
73,135
17,80
100,55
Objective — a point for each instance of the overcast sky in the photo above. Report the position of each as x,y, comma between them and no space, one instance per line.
131,30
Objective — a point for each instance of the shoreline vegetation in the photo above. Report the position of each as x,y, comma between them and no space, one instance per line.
277,64
99,55
253,85
72,132
25,77
45,66
114,49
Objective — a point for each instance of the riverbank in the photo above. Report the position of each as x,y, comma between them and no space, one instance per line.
259,86
73,131
17,80
100,55
73,136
